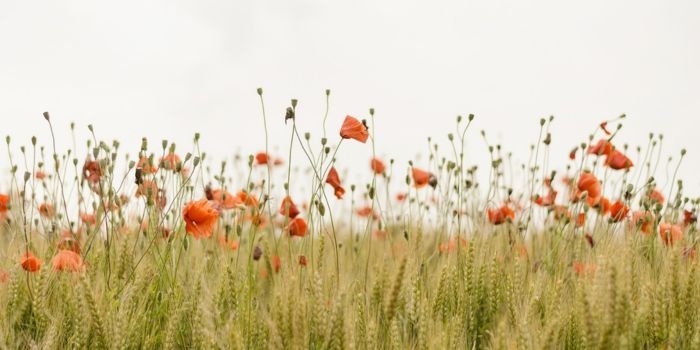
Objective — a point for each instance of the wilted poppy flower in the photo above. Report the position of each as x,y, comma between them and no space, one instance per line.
261,158
603,147
618,211
46,210
334,180
689,217
302,261
67,260
617,160
604,127
40,175
30,262
670,233
297,227
377,166
500,215
288,208
171,161
589,183
146,165
88,219
353,129
200,218
644,220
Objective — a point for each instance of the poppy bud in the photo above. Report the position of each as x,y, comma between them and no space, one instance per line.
432,181
542,121
371,111
307,136
257,253
46,116
259,90
471,117
328,92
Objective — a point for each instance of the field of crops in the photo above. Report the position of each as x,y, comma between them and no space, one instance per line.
169,249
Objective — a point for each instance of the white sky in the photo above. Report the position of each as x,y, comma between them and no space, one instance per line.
165,69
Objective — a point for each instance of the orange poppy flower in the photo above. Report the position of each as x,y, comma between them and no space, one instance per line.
617,160
4,206
248,199
589,183
401,196
30,262
380,234
377,166
88,219
422,178
656,196
583,269
171,161
644,220
46,210
334,180
225,199
500,215
40,175
580,219
145,164
603,206
276,263
354,129
261,158
302,261
618,211
288,208
572,153
67,260
297,227
603,147
670,233
200,218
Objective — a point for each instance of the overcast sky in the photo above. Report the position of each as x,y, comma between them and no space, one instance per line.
166,69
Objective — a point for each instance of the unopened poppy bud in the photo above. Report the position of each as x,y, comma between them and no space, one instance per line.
195,161
323,141
7,139
33,140
328,92
27,175
259,90
164,143
172,148
548,139
450,136
132,164
307,136
471,117
483,132
371,111
327,150
352,187
46,116
542,121
75,161
188,156
432,181
459,119
619,126
196,137
289,114
294,103
683,152
144,143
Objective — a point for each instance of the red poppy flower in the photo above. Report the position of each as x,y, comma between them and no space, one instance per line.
618,211
67,260
171,161
30,262
288,208
572,153
200,218
92,172
670,233
366,211
334,180
297,227
603,147
689,217
617,160
232,244
4,204
603,206
47,210
248,199
500,215
377,166
261,158
353,129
